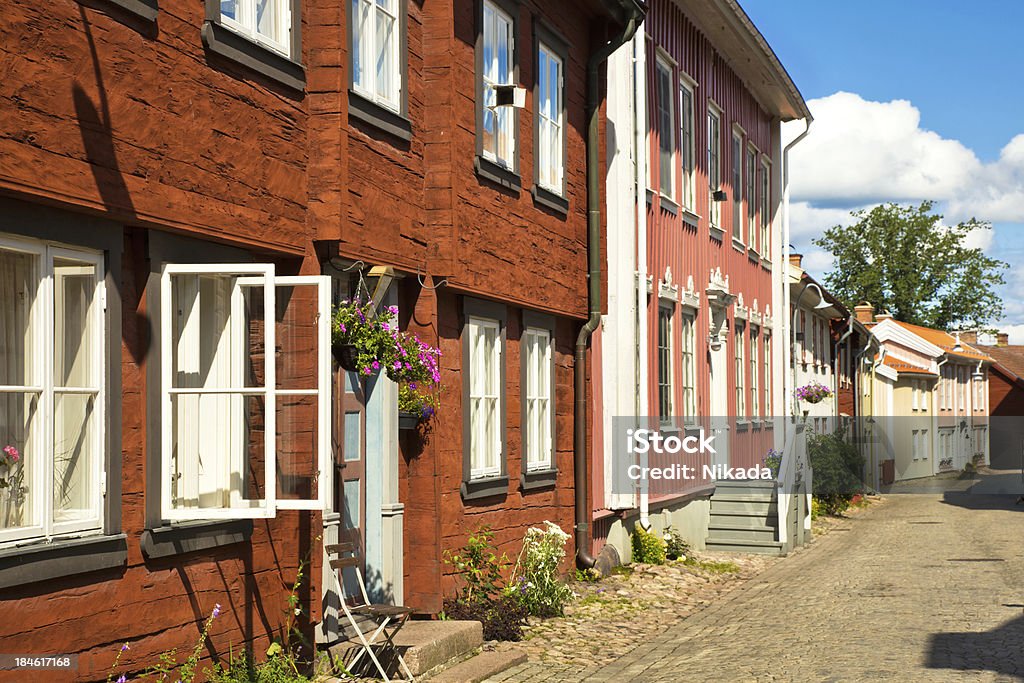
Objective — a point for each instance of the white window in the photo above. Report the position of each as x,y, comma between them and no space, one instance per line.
914,399
737,186
550,118
499,123
689,363
485,402
376,42
537,342
266,22
243,433
767,375
755,390
766,211
739,348
666,128
52,372
751,198
686,140
714,164
666,386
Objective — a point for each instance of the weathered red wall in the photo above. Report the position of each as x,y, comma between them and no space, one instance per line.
1006,397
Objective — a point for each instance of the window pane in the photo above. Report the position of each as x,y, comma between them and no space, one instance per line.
229,9
297,467
19,275
74,457
385,57
268,21
295,335
19,427
360,11
351,513
353,444
75,336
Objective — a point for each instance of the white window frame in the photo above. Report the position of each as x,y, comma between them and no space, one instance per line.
767,374
537,392
245,25
755,388
688,359
41,321
264,276
751,196
365,42
665,107
485,458
686,141
505,119
765,218
550,158
666,375
740,355
714,154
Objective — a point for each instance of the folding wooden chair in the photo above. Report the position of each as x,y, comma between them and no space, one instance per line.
386,620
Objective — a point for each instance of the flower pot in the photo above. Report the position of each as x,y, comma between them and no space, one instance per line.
407,420
346,355
814,399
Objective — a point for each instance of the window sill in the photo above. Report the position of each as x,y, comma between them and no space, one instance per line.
489,487
753,255
190,537
47,561
146,10
738,246
691,219
380,117
766,264
499,175
222,41
742,425
667,204
538,479
717,233
550,200
650,195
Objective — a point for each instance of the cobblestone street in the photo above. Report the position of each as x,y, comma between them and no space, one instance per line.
924,587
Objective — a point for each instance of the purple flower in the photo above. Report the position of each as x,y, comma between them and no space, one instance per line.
125,647
122,679
376,365
342,328
216,611
412,385
398,365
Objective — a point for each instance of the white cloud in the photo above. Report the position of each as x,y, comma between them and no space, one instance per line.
817,262
1016,333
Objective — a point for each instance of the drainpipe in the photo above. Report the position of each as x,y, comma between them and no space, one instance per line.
787,392
636,12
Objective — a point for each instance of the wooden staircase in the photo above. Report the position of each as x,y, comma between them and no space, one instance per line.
745,517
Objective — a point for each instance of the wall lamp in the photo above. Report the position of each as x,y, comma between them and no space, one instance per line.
719,196
508,96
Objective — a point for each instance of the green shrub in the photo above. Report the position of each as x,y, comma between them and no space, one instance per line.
535,579
648,547
676,547
837,466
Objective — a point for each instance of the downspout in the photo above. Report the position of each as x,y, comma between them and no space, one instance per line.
787,392
581,488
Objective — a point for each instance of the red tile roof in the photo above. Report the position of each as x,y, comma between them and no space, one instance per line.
1010,357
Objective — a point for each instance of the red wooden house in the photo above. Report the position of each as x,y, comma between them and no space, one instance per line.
704,232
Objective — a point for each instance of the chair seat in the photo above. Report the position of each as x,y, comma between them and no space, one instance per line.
383,610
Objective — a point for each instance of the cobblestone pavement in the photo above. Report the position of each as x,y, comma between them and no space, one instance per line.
924,587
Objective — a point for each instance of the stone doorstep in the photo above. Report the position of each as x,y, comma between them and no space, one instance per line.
424,645
481,667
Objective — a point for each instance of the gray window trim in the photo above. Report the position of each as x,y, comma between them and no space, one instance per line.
530,481
190,537
369,112
146,10
475,489
222,41
485,168
56,225
161,538
543,32
47,561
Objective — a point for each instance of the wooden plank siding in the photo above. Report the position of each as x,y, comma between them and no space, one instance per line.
694,252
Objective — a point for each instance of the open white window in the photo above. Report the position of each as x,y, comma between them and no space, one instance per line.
244,432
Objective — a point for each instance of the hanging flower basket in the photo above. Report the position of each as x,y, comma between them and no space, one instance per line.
814,392
407,420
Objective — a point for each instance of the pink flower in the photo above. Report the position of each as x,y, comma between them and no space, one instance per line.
12,453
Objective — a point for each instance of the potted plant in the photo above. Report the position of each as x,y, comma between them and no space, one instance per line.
11,478
414,365
414,407
813,392
359,338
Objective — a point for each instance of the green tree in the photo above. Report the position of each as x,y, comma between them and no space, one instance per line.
904,260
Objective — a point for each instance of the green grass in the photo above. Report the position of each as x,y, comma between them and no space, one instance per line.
713,566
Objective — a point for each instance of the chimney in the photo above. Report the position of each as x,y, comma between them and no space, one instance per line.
969,336
796,259
1002,339
864,312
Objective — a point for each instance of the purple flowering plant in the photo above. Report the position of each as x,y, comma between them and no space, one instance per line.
356,323
813,392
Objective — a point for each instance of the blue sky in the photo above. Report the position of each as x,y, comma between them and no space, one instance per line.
912,99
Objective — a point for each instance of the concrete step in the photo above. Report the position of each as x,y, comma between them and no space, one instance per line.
727,532
425,645
755,495
480,667
738,546
744,484
763,508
